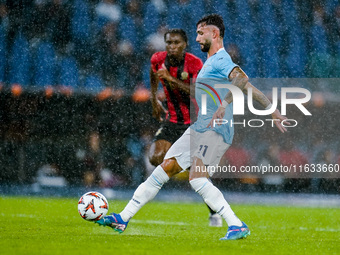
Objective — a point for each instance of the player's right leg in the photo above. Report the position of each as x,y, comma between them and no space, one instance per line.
176,159
143,194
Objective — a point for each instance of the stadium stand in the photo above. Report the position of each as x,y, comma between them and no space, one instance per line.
94,49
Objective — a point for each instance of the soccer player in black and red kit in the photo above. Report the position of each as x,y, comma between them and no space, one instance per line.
174,68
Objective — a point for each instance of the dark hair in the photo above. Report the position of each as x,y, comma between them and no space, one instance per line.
179,31
215,20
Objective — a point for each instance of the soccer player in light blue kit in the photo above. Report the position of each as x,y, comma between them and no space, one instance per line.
204,143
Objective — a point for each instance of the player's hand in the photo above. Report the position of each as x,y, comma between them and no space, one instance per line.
164,74
218,115
278,118
157,110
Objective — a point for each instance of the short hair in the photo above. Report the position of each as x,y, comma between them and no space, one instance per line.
215,20
179,31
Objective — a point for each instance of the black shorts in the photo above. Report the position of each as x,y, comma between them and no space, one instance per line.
170,131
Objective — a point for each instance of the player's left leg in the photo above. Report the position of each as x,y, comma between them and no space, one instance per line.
213,197
143,194
214,148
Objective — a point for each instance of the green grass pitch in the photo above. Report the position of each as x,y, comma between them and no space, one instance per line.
52,226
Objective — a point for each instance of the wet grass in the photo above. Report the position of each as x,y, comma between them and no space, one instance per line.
52,226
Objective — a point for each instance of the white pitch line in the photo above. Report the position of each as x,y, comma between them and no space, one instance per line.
20,215
307,229
156,222
159,222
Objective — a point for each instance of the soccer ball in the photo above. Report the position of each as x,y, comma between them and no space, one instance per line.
92,206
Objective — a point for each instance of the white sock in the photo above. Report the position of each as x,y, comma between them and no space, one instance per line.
145,192
213,197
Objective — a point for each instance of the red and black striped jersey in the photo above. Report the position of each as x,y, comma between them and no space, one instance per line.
178,102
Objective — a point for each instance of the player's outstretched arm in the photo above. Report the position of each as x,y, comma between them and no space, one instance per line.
265,102
241,80
157,107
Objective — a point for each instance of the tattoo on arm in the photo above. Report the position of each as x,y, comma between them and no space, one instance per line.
257,95
239,79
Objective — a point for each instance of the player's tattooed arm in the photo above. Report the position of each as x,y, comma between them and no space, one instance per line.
239,79
257,95
265,102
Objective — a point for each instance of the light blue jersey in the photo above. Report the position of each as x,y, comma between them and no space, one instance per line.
215,70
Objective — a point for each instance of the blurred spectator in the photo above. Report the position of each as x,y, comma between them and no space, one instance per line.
108,11
4,20
235,54
107,59
131,26
319,31
91,160
176,10
49,175
155,42
270,157
336,29
334,23
3,43
153,15
59,24
38,18
81,24
129,72
325,180
135,147
237,155
291,156
18,16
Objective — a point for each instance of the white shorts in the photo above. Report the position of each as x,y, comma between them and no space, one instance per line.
208,146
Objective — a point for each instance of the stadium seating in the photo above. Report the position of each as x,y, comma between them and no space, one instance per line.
128,31
20,61
93,84
44,65
3,53
330,5
174,14
296,57
68,72
152,19
276,39
319,39
81,20
248,48
320,65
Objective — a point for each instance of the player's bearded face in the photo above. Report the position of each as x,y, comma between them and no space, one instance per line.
205,46
204,37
